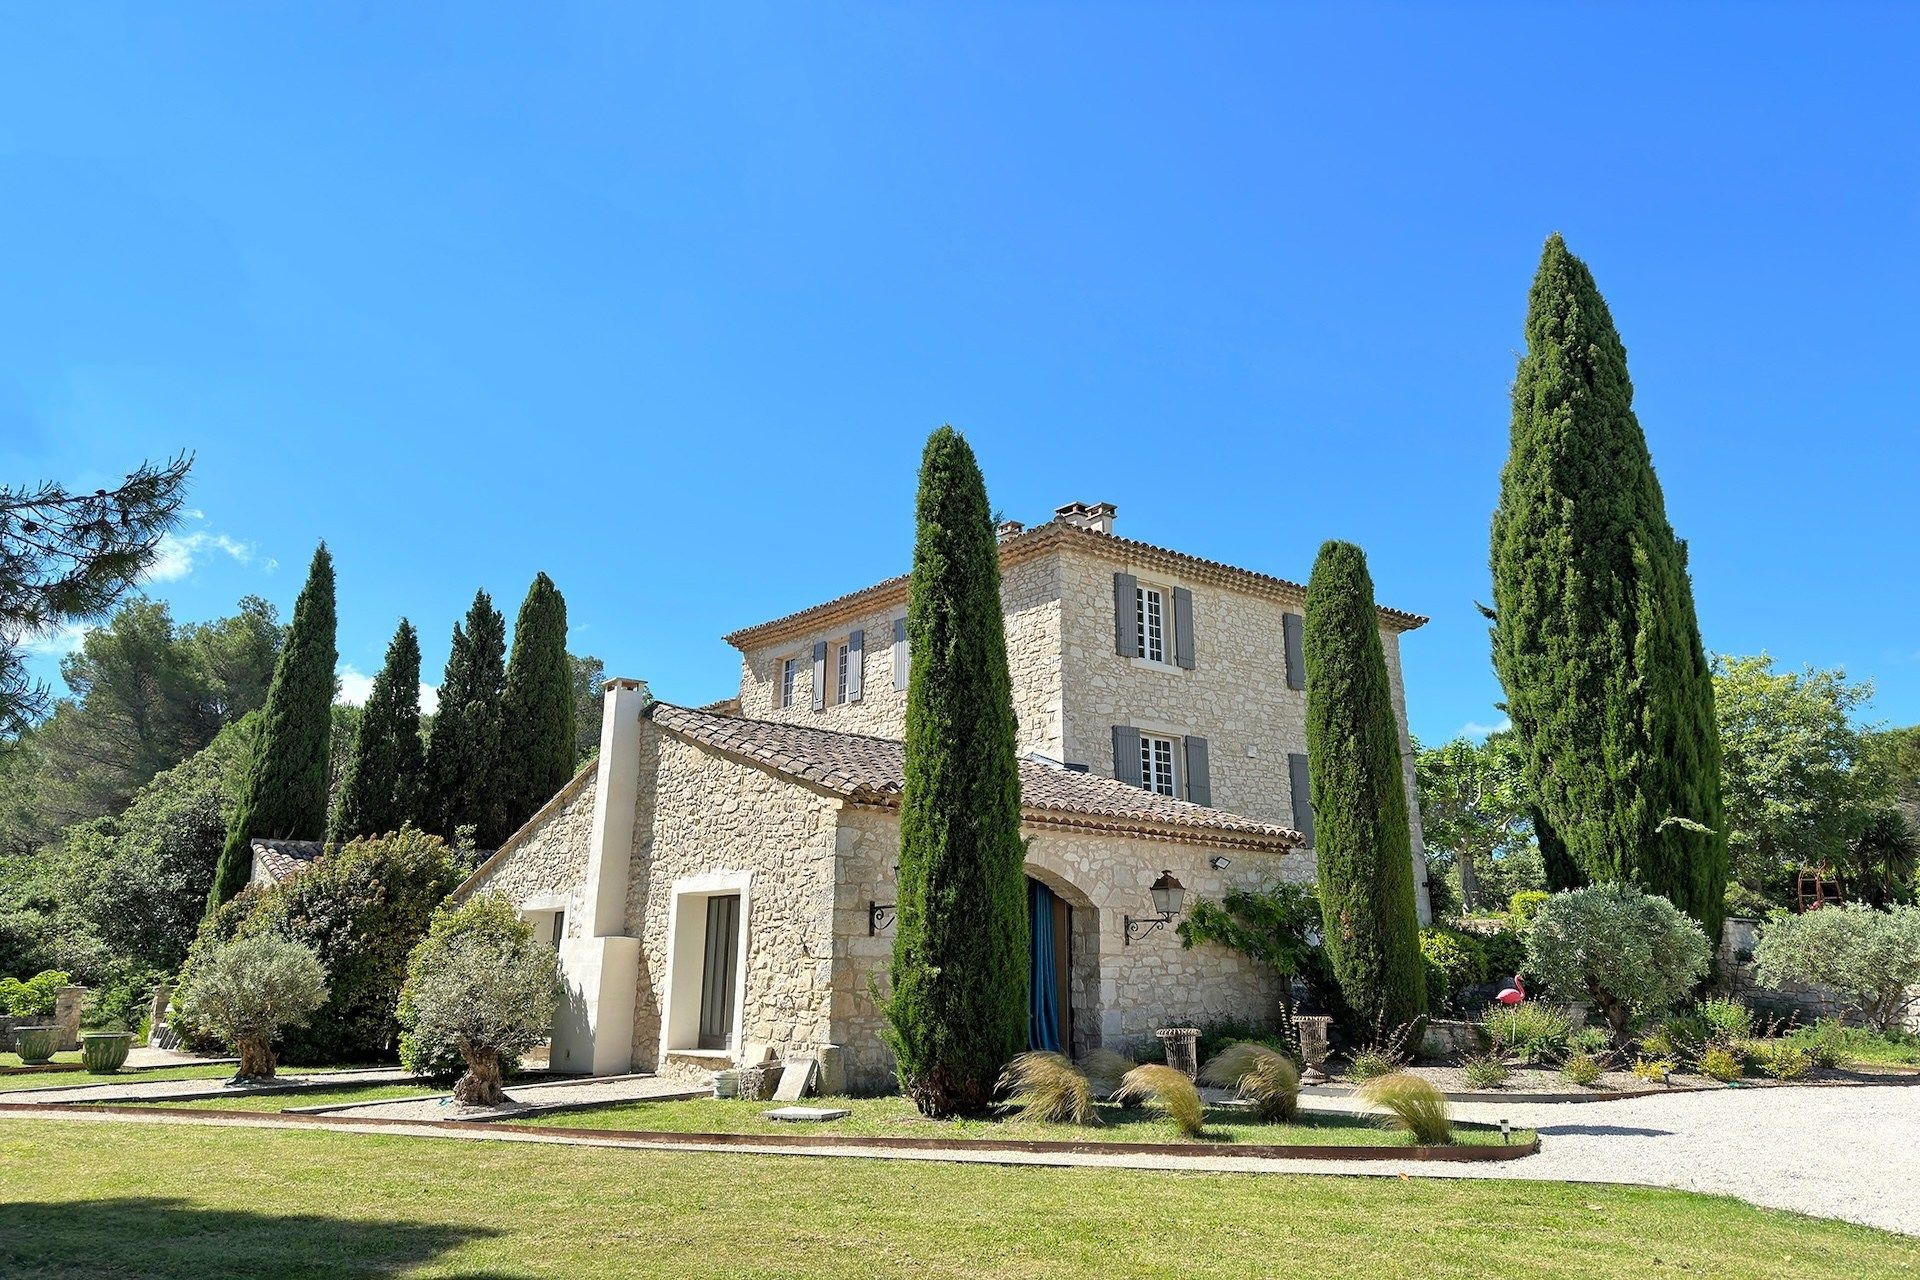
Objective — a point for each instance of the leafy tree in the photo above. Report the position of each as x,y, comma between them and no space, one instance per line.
589,674
1594,633
66,557
1880,866
536,732
464,769
1870,957
1362,835
145,695
361,908
478,982
384,776
1277,925
285,793
1628,952
1473,813
249,991
957,1013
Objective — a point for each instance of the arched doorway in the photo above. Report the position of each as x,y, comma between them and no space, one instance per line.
1049,969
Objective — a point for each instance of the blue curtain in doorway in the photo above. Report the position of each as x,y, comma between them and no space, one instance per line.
1043,986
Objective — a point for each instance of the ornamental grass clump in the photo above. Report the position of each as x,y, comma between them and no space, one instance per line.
1410,1104
1165,1090
1106,1068
1486,1071
1529,1031
1266,1078
1048,1089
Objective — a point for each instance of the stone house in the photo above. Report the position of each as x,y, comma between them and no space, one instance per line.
720,882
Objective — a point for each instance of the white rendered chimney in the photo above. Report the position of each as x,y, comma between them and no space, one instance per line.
1097,516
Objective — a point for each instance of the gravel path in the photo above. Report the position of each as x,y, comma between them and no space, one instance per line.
136,1090
533,1098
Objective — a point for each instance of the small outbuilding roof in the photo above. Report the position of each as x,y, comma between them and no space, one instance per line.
872,771
276,861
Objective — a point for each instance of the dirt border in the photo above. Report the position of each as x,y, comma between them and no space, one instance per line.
642,1138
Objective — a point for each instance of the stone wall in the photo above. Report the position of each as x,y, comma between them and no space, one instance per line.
545,869
703,814
1031,598
1121,992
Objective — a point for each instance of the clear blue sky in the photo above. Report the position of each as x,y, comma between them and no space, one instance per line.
666,305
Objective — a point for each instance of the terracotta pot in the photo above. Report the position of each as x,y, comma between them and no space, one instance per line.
35,1044
105,1051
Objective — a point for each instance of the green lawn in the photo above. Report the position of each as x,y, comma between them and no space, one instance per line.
346,1095
79,1079
1867,1047
896,1117
91,1199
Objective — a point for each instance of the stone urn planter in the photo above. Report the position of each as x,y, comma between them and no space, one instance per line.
103,1052
35,1044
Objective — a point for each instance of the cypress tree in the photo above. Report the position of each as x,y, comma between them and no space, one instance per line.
284,795
381,791
463,751
537,710
1594,633
1362,836
957,1013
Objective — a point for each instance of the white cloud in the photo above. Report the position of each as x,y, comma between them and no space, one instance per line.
1474,729
177,553
356,686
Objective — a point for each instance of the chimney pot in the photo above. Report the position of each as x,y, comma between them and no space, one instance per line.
1097,516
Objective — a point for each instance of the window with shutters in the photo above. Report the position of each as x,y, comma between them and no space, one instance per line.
789,680
842,652
1156,764
1151,615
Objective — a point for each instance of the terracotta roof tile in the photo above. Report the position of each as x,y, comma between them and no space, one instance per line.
284,859
871,771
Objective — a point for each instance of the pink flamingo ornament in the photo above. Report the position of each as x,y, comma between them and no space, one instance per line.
1514,994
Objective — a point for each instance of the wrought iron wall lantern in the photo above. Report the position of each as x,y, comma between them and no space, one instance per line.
880,915
1168,896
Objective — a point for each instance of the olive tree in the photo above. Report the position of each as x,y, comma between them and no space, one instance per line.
1871,958
1626,951
248,991
480,983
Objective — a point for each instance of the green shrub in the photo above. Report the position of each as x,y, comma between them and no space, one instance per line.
1526,904
1744,903
1590,1040
1410,1104
1216,1037
1872,958
1048,1089
1506,952
249,991
1654,1070
362,908
1264,1077
1727,1019
1530,1031
1369,1064
1825,1042
1486,1071
1626,951
1454,962
1163,1089
1720,1063
120,1004
1583,1069
479,982
36,997
1782,1060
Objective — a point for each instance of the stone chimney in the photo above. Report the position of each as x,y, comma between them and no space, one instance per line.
1097,516
1006,529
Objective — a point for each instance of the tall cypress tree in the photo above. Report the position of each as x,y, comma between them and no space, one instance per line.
537,711
382,788
284,795
1594,633
957,1013
1362,836
463,751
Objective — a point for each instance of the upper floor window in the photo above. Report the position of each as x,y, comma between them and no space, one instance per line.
1156,764
789,680
1151,613
842,654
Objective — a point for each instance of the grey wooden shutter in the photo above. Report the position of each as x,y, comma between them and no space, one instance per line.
1199,785
900,657
1183,627
1300,782
1290,624
856,664
1126,755
1126,634
820,676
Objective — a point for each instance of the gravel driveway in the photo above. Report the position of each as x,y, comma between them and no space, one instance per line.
1851,1153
